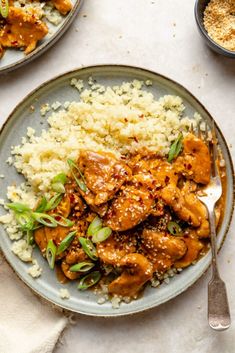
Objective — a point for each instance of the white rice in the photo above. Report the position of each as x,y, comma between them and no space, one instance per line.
35,270
64,293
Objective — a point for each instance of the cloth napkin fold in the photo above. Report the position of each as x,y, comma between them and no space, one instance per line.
26,324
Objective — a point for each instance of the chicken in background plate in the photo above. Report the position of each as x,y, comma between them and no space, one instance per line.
22,23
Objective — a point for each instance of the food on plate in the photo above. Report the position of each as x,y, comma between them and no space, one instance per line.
219,22
110,200
24,23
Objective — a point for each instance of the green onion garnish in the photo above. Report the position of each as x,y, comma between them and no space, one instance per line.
29,237
25,221
94,226
4,8
51,253
175,148
57,183
174,228
89,248
45,219
89,280
62,221
101,235
82,267
66,242
41,207
54,202
81,183
58,187
59,178
18,207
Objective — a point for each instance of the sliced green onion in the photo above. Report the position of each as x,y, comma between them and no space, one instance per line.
54,202
29,237
66,242
51,253
59,178
58,187
89,248
175,148
45,219
41,207
18,207
89,280
37,226
101,235
94,226
174,228
81,183
25,221
62,221
4,8
82,267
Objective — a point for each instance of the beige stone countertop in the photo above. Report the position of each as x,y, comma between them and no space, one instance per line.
160,35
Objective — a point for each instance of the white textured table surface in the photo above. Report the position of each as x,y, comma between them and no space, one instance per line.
160,35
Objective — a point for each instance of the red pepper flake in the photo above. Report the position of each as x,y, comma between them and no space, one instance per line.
189,166
57,218
72,198
116,176
141,116
14,42
135,138
167,179
126,120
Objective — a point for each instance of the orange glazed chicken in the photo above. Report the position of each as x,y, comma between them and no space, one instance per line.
22,27
125,221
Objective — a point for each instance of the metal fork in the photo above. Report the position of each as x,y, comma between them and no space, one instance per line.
218,307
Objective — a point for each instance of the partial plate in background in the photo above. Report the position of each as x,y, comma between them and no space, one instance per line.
15,58
59,89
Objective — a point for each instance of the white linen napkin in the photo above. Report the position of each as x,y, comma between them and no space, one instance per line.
26,324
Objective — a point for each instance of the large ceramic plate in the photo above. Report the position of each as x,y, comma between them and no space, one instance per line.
14,58
15,127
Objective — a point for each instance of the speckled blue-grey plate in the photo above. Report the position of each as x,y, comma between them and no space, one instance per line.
15,58
59,89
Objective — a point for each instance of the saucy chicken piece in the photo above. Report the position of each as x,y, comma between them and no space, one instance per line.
41,239
194,163
132,206
65,267
162,249
22,30
186,206
100,210
144,163
64,207
194,247
56,234
113,249
63,6
166,174
74,255
104,175
44,234
137,271
1,48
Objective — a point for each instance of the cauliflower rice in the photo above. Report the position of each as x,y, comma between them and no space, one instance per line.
120,119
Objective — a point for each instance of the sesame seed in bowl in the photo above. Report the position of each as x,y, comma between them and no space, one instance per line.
216,23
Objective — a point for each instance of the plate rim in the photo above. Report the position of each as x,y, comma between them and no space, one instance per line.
181,87
48,44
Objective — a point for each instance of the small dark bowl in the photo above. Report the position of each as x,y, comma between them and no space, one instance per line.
199,9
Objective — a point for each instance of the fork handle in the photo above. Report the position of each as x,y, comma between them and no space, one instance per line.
218,307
